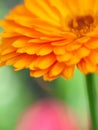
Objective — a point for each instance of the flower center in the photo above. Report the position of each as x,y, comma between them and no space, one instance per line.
81,25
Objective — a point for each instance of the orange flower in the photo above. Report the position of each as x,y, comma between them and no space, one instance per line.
51,37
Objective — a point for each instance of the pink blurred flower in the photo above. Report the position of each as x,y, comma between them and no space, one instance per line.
48,115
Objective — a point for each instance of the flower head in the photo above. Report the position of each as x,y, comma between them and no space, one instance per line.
51,37
48,115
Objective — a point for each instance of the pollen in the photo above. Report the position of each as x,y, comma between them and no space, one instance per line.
80,25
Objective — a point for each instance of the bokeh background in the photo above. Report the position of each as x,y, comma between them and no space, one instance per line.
18,90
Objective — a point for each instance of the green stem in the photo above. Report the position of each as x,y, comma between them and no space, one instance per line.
91,89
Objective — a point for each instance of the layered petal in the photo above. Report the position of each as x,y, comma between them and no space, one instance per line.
51,37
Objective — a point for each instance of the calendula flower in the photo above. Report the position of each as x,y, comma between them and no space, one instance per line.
51,37
48,115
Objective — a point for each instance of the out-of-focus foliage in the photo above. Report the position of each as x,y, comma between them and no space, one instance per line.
74,93
15,96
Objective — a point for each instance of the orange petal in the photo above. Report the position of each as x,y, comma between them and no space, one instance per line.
60,50
32,64
6,43
86,67
43,62
19,10
68,72
44,50
47,78
78,55
42,10
56,69
73,61
23,62
20,42
29,49
93,44
2,64
14,59
96,69
93,57
65,57
82,52
8,50
11,26
59,5
8,56
67,38
73,46
21,15
9,34
38,73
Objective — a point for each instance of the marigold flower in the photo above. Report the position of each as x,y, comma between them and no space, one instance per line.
51,37
48,115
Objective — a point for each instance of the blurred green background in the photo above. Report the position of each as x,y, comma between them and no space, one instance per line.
18,90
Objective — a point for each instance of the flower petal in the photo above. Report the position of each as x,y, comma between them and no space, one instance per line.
78,55
44,50
38,73
73,46
93,57
8,50
42,10
43,62
86,67
8,56
56,69
60,50
93,44
20,42
65,57
68,72
23,62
